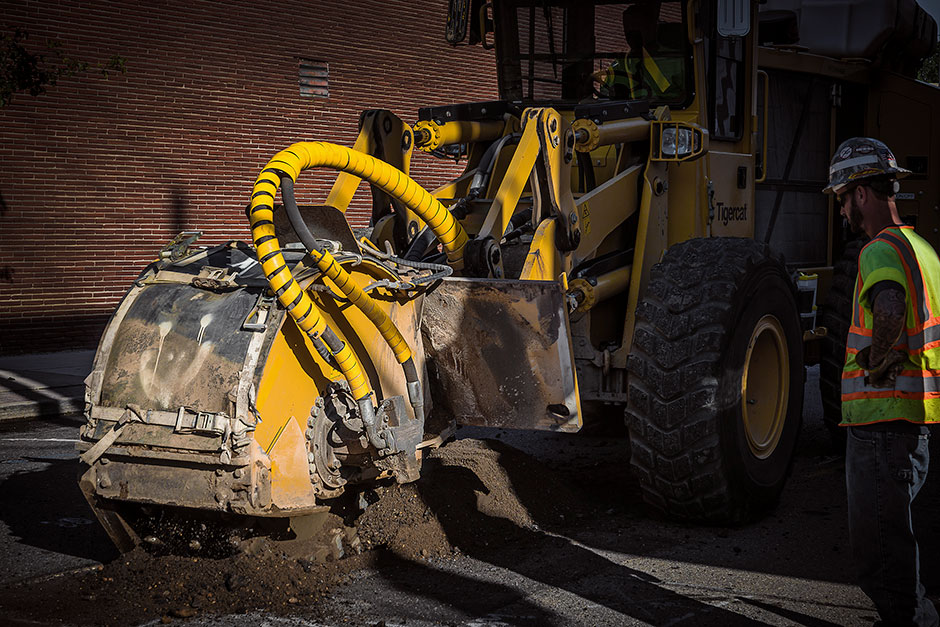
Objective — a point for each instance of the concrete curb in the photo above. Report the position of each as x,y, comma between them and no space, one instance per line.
28,410
43,385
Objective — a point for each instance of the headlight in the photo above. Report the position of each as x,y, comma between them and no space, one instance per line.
676,142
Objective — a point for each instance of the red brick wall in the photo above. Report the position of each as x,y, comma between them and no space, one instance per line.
98,174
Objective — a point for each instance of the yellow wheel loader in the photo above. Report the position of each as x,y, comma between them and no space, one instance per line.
614,247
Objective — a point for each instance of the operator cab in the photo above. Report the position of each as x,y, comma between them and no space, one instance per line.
562,53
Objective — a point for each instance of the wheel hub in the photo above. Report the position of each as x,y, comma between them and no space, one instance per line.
764,385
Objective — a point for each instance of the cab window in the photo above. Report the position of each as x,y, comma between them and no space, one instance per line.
570,51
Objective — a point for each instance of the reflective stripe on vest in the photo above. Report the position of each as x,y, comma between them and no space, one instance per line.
910,384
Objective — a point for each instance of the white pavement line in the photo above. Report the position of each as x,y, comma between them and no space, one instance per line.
39,440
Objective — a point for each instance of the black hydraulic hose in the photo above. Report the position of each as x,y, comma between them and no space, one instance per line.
517,224
313,245
440,270
324,352
409,284
485,168
332,340
518,219
586,169
328,345
293,215
419,244
460,208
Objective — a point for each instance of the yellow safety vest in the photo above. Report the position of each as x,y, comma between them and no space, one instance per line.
897,254
626,72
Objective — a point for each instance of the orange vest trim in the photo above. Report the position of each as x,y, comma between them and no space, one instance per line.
912,396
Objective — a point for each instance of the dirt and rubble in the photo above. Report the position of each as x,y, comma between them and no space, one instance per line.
139,586
501,523
464,485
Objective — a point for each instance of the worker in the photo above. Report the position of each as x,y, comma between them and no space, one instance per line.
651,67
890,382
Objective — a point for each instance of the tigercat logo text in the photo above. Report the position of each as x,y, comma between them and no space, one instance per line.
726,214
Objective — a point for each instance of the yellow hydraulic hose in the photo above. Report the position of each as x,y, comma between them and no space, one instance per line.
305,155
298,304
328,266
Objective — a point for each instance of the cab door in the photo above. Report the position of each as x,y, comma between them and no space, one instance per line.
730,79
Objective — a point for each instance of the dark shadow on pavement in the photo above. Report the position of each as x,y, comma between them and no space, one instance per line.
552,560
471,597
46,509
805,536
38,424
811,514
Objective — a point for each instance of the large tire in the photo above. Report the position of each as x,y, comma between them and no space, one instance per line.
836,316
720,316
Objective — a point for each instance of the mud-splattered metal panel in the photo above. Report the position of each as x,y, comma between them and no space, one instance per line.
501,353
179,346
161,484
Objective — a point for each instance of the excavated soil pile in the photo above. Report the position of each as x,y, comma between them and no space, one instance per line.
466,486
139,586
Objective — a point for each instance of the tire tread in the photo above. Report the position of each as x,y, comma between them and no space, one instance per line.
682,328
835,315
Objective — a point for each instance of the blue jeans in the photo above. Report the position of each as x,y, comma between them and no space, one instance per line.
884,471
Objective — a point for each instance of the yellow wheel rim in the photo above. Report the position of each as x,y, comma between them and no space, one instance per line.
764,386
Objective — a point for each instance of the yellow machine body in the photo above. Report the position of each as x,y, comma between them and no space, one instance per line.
612,246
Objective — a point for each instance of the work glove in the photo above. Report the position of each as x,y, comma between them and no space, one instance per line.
885,374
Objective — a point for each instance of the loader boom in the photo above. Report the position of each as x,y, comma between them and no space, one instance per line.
612,249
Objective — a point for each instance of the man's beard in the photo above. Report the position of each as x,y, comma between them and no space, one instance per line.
855,219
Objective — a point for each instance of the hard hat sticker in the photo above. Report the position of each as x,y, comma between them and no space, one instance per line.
864,149
866,172
845,152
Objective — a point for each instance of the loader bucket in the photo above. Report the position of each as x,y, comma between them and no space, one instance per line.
501,354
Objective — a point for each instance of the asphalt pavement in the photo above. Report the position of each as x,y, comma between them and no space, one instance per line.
791,569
